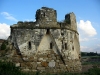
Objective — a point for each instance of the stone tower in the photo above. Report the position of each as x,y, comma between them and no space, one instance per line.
70,18
46,45
46,17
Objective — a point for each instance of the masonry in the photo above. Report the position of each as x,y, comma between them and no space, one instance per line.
46,45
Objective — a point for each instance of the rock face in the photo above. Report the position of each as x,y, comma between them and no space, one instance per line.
46,45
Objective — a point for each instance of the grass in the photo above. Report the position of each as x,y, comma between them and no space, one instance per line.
93,60
92,63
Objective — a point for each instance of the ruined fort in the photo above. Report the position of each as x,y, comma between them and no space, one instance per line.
46,45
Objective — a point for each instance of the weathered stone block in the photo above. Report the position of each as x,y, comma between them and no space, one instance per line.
31,59
46,58
62,66
35,59
34,65
39,65
54,58
58,70
38,62
26,69
17,64
57,60
49,55
58,57
28,64
57,65
44,64
49,69
40,59
22,64
52,55
17,60
51,63
40,68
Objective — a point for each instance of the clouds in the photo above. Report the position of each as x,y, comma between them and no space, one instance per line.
84,48
4,31
4,27
87,28
89,49
8,16
83,39
98,45
88,41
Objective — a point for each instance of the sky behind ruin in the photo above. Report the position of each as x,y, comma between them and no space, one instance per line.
87,15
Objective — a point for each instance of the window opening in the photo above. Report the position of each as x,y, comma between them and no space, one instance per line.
13,44
65,45
29,45
73,47
44,14
48,31
51,45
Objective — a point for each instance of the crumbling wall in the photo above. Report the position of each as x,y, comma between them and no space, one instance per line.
23,38
71,19
47,45
46,17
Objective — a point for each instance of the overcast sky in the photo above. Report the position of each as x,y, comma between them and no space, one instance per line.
87,15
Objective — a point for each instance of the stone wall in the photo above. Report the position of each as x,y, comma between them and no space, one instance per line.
71,19
46,45
46,17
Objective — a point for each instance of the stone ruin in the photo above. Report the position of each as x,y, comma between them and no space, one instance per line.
46,45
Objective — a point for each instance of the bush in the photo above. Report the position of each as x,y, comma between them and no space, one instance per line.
3,46
93,71
8,68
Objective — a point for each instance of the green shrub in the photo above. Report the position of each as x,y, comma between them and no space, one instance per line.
8,68
93,71
3,46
